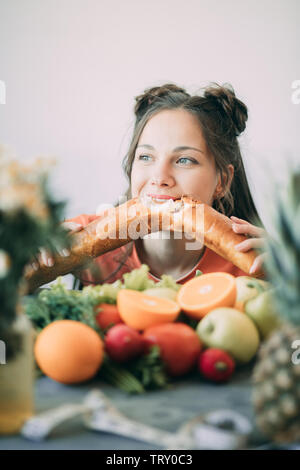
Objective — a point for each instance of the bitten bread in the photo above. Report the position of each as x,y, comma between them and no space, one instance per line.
136,218
115,227
215,231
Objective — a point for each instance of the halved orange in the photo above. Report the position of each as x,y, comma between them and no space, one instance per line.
204,293
140,311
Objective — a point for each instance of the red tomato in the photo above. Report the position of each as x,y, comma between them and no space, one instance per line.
179,346
107,315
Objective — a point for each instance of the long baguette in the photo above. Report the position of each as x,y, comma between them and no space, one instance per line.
116,227
215,231
137,218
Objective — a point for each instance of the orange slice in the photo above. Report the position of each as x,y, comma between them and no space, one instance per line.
140,311
204,293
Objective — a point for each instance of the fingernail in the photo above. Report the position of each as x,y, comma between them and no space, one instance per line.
65,252
252,269
50,262
234,226
73,226
35,266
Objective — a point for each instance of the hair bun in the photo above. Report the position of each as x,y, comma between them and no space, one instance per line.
151,94
232,107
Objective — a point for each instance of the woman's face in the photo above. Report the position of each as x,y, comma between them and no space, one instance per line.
172,159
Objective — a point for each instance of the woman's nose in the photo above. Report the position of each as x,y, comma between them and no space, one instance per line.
161,181
162,176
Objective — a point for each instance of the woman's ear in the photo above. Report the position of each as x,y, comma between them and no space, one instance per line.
220,191
231,175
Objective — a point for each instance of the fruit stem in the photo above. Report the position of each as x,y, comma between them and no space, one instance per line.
209,328
255,283
220,365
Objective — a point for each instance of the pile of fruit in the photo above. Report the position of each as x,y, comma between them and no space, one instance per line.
137,334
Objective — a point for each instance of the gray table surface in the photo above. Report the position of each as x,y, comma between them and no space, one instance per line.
166,409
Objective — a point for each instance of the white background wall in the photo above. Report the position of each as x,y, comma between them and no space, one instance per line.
73,67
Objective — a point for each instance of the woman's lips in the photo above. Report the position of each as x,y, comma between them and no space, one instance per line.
162,196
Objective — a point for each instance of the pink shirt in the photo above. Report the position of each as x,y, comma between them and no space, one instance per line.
111,266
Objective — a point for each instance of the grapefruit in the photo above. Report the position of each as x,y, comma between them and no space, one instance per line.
69,351
204,293
141,311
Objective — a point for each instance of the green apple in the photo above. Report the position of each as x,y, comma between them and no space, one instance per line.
261,309
162,292
231,330
248,287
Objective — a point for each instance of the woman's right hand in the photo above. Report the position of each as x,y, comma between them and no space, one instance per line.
45,258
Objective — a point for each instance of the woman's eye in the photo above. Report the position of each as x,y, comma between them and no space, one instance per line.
147,158
141,157
191,160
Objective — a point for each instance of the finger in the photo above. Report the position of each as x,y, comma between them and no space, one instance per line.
64,252
250,244
236,219
34,264
45,258
258,263
249,229
72,226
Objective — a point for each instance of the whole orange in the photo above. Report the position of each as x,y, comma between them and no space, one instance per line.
69,351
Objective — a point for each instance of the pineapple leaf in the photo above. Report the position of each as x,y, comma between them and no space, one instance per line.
283,261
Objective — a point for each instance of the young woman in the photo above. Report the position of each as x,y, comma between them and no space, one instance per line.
182,144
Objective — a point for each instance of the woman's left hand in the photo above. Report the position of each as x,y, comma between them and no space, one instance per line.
257,240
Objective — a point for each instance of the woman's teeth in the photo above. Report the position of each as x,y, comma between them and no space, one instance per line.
162,204
160,200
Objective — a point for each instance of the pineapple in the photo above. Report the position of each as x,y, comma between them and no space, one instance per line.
276,374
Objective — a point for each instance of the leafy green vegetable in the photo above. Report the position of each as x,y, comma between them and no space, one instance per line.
138,279
198,273
105,293
143,373
59,303
150,369
168,281
120,377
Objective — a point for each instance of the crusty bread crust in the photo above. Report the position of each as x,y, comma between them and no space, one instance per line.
108,232
133,219
220,237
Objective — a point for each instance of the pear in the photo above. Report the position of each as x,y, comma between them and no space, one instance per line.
230,330
261,309
162,292
247,288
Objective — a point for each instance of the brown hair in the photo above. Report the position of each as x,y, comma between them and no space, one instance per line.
222,117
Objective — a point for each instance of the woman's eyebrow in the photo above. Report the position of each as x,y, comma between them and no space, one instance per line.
176,149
